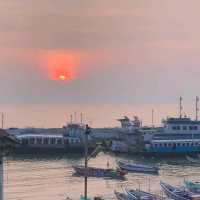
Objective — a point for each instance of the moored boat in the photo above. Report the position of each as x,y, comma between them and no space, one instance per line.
192,160
137,167
178,193
99,172
192,186
123,196
138,194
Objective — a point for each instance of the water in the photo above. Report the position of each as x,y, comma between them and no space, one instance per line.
51,177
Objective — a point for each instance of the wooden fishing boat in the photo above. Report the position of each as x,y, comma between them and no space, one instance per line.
137,167
192,160
192,186
178,193
99,172
138,194
123,196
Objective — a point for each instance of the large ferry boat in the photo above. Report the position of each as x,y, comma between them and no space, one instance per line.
178,135
70,138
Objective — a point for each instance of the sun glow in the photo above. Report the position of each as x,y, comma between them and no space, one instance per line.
61,66
62,77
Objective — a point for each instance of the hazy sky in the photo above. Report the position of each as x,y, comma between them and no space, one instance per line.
119,56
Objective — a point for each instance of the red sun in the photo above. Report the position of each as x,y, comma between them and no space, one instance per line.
61,66
62,77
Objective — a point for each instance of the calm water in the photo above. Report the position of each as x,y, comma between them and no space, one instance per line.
51,177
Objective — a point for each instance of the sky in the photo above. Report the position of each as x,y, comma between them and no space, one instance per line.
105,58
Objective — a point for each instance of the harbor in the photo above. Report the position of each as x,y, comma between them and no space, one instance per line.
50,177
176,136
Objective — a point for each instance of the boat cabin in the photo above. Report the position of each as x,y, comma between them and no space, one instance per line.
181,125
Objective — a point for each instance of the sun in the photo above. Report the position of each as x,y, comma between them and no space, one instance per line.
62,77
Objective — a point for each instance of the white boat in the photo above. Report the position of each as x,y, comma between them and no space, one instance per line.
192,160
137,167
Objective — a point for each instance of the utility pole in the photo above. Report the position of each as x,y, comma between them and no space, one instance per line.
87,132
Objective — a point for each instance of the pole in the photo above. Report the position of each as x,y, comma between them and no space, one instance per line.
1,177
181,107
2,120
87,131
152,117
81,118
197,109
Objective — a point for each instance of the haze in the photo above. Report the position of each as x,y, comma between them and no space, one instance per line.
119,57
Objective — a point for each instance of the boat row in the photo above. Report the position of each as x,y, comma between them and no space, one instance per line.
190,191
122,169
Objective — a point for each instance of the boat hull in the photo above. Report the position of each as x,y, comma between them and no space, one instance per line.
98,172
169,193
137,168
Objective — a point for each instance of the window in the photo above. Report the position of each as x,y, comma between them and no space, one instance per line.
59,141
183,144
165,144
24,141
32,140
188,144
52,140
39,140
169,144
184,127
178,144
192,144
66,141
176,127
156,145
160,144
46,141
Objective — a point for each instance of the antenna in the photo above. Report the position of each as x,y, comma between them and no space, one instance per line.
2,120
152,117
71,118
181,107
75,117
197,108
81,118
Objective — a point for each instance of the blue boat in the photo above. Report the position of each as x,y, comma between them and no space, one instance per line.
178,193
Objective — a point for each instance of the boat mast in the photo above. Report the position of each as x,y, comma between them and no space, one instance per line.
152,117
180,107
197,108
81,118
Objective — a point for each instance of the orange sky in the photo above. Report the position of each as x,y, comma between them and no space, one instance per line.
123,54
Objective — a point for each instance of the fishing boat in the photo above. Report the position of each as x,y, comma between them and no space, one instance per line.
138,194
99,172
123,196
132,167
178,193
192,160
192,186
